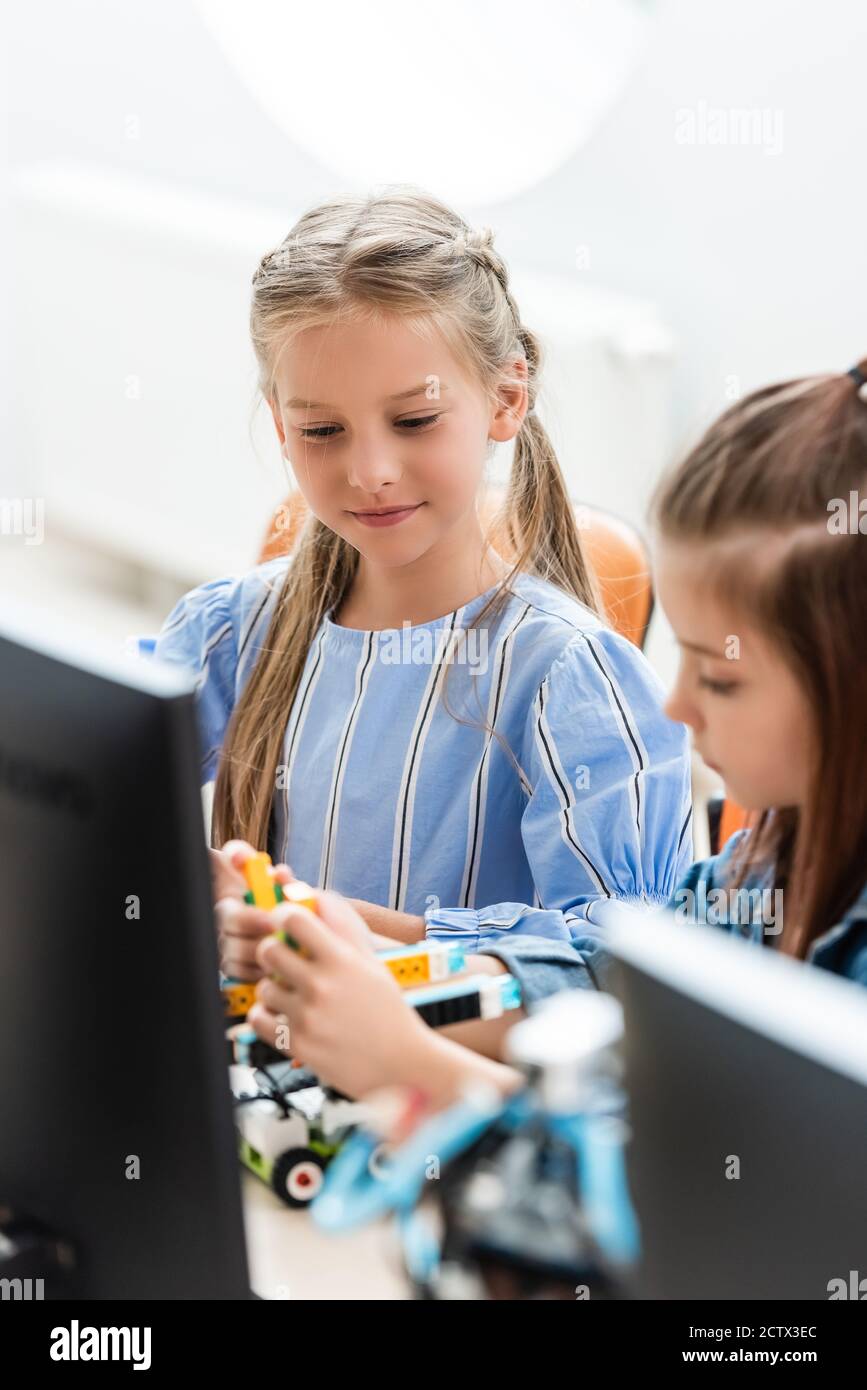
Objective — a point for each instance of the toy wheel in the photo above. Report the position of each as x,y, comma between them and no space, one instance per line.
297,1177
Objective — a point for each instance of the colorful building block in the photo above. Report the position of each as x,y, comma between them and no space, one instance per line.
424,962
476,996
263,892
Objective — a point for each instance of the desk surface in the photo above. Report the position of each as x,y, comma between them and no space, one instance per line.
292,1258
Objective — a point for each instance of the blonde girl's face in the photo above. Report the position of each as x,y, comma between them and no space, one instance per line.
750,717
376,418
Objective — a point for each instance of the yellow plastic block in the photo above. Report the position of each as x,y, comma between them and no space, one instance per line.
238,998
259,881
300,893
410,970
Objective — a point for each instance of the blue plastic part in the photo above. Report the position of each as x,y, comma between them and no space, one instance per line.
421,1251
243,1042
510,992
448,989
352,1194
602,1181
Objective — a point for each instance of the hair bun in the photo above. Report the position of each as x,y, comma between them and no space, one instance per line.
478,244
480,239
475,242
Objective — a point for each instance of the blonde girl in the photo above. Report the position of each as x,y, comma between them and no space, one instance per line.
458,745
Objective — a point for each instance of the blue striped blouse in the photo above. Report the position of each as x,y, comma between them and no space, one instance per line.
383,794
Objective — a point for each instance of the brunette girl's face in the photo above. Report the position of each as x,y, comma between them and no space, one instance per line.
374,418
750,717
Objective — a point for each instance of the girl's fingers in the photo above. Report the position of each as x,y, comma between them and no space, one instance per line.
276,958
237,852
316,936
344,921
225,879
241,919
321,934
269,1027
238,970
238,959
227,869
275,998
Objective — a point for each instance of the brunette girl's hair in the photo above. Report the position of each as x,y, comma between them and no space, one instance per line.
400,252
771,494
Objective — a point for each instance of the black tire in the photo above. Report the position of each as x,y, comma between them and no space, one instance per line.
297,1176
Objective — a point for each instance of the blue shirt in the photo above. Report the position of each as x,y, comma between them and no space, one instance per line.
544,967
384,796
750,912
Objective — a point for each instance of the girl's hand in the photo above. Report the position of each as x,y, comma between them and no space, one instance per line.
240,926
345,1012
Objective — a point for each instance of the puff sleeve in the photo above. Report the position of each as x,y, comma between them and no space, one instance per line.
200,635
608,817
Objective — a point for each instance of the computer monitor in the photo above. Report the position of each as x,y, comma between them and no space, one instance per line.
746,1075
116,1128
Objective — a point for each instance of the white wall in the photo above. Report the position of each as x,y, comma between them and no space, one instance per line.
753,257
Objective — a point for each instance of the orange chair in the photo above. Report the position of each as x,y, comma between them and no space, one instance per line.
724,817
615,551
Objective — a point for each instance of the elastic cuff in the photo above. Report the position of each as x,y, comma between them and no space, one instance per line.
544,975
597,910
458,924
